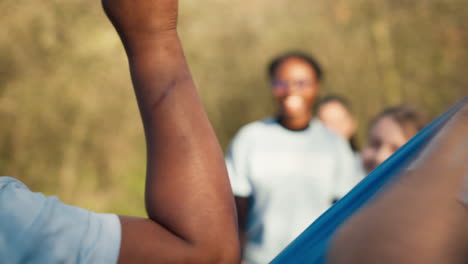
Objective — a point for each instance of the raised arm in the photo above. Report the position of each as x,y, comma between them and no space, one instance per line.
188,199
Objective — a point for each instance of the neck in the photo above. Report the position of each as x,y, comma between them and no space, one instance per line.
295,123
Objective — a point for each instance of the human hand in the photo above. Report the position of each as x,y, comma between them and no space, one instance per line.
140,18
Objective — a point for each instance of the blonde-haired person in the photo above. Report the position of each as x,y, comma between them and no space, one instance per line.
420,217
390,130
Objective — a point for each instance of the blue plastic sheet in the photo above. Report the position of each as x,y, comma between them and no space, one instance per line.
311,246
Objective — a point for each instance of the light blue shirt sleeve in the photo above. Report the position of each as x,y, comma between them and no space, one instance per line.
39,229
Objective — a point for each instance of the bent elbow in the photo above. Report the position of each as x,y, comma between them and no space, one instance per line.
226,251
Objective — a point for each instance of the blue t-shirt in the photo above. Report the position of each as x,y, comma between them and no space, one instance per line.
292,178
39,229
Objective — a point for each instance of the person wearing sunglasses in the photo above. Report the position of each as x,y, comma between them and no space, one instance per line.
286,170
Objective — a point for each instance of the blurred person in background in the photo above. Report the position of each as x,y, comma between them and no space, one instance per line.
388,131
288,169
421,216
335,113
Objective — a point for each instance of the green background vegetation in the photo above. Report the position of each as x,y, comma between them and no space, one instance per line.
69,122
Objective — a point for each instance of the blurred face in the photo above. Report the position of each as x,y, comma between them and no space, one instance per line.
295,88
336,117
385,138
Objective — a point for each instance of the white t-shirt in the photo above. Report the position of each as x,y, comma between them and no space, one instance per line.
39,229
292,178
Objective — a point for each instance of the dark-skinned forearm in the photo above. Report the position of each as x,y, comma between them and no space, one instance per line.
183,152
188,198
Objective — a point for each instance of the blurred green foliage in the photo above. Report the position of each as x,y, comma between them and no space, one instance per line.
69,122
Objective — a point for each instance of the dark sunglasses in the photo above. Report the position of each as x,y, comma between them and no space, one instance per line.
281,85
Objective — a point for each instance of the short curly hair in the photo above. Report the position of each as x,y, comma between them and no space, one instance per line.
276,62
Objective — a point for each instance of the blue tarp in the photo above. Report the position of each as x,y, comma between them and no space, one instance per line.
311,246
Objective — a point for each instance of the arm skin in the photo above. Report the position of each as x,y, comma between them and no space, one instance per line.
419,218
243,207
189,202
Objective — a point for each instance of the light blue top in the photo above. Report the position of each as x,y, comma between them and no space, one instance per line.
292,177
39,229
